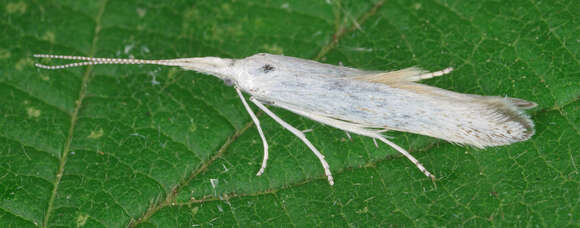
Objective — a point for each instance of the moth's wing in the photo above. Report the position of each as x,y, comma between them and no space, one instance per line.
502,117
496,120
401,105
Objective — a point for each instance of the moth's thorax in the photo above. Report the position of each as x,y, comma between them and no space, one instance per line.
256,73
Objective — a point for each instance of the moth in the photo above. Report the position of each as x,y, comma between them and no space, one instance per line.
362,102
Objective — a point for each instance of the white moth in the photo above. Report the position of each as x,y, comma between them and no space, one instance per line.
362,102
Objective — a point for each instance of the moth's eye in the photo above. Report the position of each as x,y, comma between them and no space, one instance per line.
267,68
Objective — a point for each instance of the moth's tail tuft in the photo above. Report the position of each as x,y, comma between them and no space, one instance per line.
517,115
506,122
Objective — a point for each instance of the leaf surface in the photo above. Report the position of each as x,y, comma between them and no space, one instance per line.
151,146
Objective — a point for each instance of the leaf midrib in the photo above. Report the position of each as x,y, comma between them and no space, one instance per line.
74,117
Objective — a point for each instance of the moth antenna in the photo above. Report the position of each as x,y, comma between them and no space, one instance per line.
97,61
64,66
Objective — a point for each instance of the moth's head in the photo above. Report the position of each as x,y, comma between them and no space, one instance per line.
222,68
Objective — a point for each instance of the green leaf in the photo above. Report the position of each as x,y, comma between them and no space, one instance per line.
139,146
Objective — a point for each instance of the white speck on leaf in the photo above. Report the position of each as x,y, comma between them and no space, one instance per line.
82,219
141,12
96,134
33,112
128,48
16,7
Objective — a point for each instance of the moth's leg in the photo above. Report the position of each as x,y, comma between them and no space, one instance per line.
404,152
257,123
432,74
300,135
375,141
411,74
